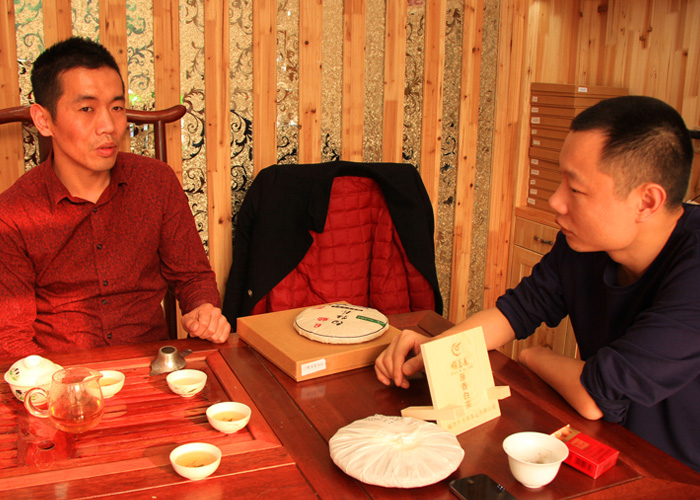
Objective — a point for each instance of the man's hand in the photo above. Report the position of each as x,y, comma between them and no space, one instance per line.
207,322
392,365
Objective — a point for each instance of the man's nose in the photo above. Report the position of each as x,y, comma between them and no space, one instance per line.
106,122
556,201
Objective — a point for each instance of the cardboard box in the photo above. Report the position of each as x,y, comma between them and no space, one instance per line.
586,454
273,335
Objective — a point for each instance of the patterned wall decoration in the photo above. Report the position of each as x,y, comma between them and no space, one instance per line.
413,95
450,131
374,80
29,27
140,80
241,78
331,80
484,155
287,81
194,166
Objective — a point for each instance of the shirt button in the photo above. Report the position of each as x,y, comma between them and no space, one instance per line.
109,335
104,301
99,246
105,282
94,210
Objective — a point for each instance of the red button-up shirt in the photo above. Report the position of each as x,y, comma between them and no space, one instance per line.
76,274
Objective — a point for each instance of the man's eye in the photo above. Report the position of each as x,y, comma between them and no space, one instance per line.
86,109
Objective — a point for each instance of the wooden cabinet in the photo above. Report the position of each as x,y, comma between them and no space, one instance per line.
531,240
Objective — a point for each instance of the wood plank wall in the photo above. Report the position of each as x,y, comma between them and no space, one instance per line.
652,48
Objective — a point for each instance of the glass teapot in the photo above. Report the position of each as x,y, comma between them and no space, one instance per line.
74,400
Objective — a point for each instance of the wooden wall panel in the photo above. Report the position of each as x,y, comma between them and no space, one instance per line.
310,58
113,37
433,79
353,80
394,80
57,21
264,84
11,151
217,135
466,161
166,53
507,132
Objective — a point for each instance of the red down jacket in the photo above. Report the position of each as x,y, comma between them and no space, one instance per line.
311,234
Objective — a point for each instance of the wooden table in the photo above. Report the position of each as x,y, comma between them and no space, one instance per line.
284,449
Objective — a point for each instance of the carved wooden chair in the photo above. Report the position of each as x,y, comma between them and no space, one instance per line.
157,119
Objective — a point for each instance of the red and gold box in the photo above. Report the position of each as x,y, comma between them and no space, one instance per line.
586,454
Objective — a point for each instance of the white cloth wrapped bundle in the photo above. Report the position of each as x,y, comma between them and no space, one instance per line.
396,452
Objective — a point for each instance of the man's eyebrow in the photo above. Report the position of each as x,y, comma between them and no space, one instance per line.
89,97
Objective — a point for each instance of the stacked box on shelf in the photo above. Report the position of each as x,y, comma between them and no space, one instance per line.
552,108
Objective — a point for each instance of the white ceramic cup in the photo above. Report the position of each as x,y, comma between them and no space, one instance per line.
534,457
195,461
228,417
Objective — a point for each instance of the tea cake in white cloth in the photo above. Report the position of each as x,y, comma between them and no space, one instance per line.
396,452
341,324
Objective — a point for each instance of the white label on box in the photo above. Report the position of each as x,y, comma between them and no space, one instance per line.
533,191
532,181
531,201
533,131
535,98
535,142
534,171
534,161
535,119
535,110
313,367
583,89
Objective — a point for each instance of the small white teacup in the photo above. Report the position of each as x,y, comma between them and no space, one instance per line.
111,382
195,461
186,383
534,457
228,417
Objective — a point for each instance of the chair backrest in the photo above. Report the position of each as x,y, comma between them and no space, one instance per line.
158,119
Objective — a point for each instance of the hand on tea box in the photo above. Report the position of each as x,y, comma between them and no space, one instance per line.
208,323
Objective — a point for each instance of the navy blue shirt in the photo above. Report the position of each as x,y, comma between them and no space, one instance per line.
640,342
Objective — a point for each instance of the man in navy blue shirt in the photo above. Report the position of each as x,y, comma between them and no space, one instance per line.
625,267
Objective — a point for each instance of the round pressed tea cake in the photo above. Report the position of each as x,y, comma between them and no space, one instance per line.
341,324
396,452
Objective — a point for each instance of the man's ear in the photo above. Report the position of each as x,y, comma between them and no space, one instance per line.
652,198
42,119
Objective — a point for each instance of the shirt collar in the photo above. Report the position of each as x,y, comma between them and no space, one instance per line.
57,191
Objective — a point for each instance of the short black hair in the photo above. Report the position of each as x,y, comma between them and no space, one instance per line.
71,53
646,141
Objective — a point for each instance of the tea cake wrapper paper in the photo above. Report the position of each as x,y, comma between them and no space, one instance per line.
395,452
461,383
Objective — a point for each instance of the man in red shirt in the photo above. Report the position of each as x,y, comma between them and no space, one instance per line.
91,238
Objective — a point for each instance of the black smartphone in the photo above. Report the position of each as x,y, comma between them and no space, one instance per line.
479,487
